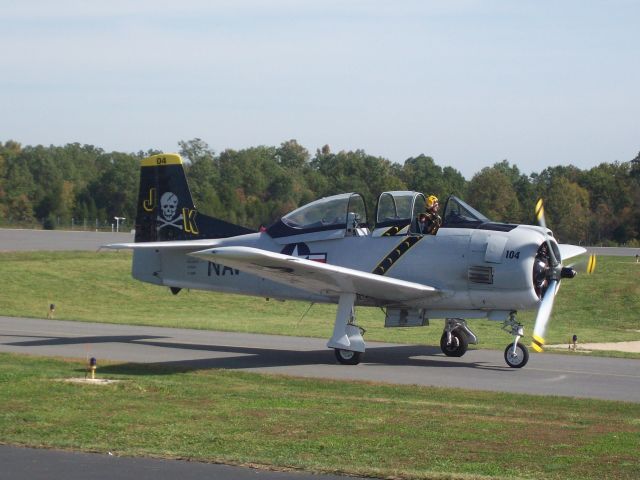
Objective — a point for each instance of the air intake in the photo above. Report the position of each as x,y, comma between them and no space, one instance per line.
478,274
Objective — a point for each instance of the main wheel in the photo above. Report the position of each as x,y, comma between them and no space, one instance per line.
348,357
518,359
458,345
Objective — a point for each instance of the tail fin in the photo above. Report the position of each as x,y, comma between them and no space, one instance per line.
165,207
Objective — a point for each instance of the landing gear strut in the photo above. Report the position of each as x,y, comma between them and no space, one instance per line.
516,354
347,338
456,337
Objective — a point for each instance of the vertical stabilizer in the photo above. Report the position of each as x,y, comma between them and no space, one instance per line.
165,208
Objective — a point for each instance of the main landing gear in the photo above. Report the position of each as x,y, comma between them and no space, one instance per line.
347,340
456,337
516,354
349,345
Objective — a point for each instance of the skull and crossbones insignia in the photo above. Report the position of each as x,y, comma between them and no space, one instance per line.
168,206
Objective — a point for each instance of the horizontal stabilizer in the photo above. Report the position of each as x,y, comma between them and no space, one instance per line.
316,277
167,245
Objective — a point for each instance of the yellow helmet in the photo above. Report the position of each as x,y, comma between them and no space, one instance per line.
431,200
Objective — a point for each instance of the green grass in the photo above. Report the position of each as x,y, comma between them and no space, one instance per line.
97,287
322,426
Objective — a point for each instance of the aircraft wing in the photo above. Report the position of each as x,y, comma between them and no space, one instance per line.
316,277
569,251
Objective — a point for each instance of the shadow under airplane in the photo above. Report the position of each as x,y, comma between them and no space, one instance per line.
247,358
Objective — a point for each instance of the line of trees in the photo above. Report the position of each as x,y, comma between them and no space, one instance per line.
255,186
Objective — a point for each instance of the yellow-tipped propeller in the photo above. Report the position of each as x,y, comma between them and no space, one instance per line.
555,273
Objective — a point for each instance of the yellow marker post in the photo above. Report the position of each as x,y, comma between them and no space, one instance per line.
93,364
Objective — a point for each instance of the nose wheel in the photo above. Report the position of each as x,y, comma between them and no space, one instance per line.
516,355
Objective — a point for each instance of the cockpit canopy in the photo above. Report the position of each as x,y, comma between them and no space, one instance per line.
338,215
396,214
328,212
398,208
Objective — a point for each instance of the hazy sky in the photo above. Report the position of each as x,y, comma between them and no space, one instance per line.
469,83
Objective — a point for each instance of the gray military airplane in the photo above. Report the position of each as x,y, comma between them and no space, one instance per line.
331,251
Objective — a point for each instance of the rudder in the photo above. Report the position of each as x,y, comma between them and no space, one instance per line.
166,210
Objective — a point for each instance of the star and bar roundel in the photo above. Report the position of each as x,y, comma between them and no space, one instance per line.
302,250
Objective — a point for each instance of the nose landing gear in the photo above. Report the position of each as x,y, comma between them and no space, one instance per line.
516,354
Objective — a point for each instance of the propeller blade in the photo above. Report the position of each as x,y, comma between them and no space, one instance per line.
544,313
584,265
543,224
540,213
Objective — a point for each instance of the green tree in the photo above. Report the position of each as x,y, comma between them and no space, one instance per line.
423,175
115,190
355,171
20,209
291,155
609,183
203,171
567,210
492,193
195,149
19,180
524,189
3,195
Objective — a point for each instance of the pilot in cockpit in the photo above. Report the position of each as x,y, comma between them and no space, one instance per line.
429,222
422,223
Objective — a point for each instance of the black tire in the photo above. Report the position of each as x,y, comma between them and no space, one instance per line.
458,345
518,360
348,357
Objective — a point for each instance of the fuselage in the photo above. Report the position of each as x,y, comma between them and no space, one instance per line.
476,269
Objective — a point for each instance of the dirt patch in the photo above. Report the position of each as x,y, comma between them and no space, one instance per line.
91,381
632,347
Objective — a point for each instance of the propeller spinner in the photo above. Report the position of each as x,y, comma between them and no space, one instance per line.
547,272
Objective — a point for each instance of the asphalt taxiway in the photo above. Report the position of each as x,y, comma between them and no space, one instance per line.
573,375
24,240
18,463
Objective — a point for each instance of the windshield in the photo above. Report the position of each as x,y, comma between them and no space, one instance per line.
458,212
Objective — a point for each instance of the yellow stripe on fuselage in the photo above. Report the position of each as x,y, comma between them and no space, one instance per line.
394,255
